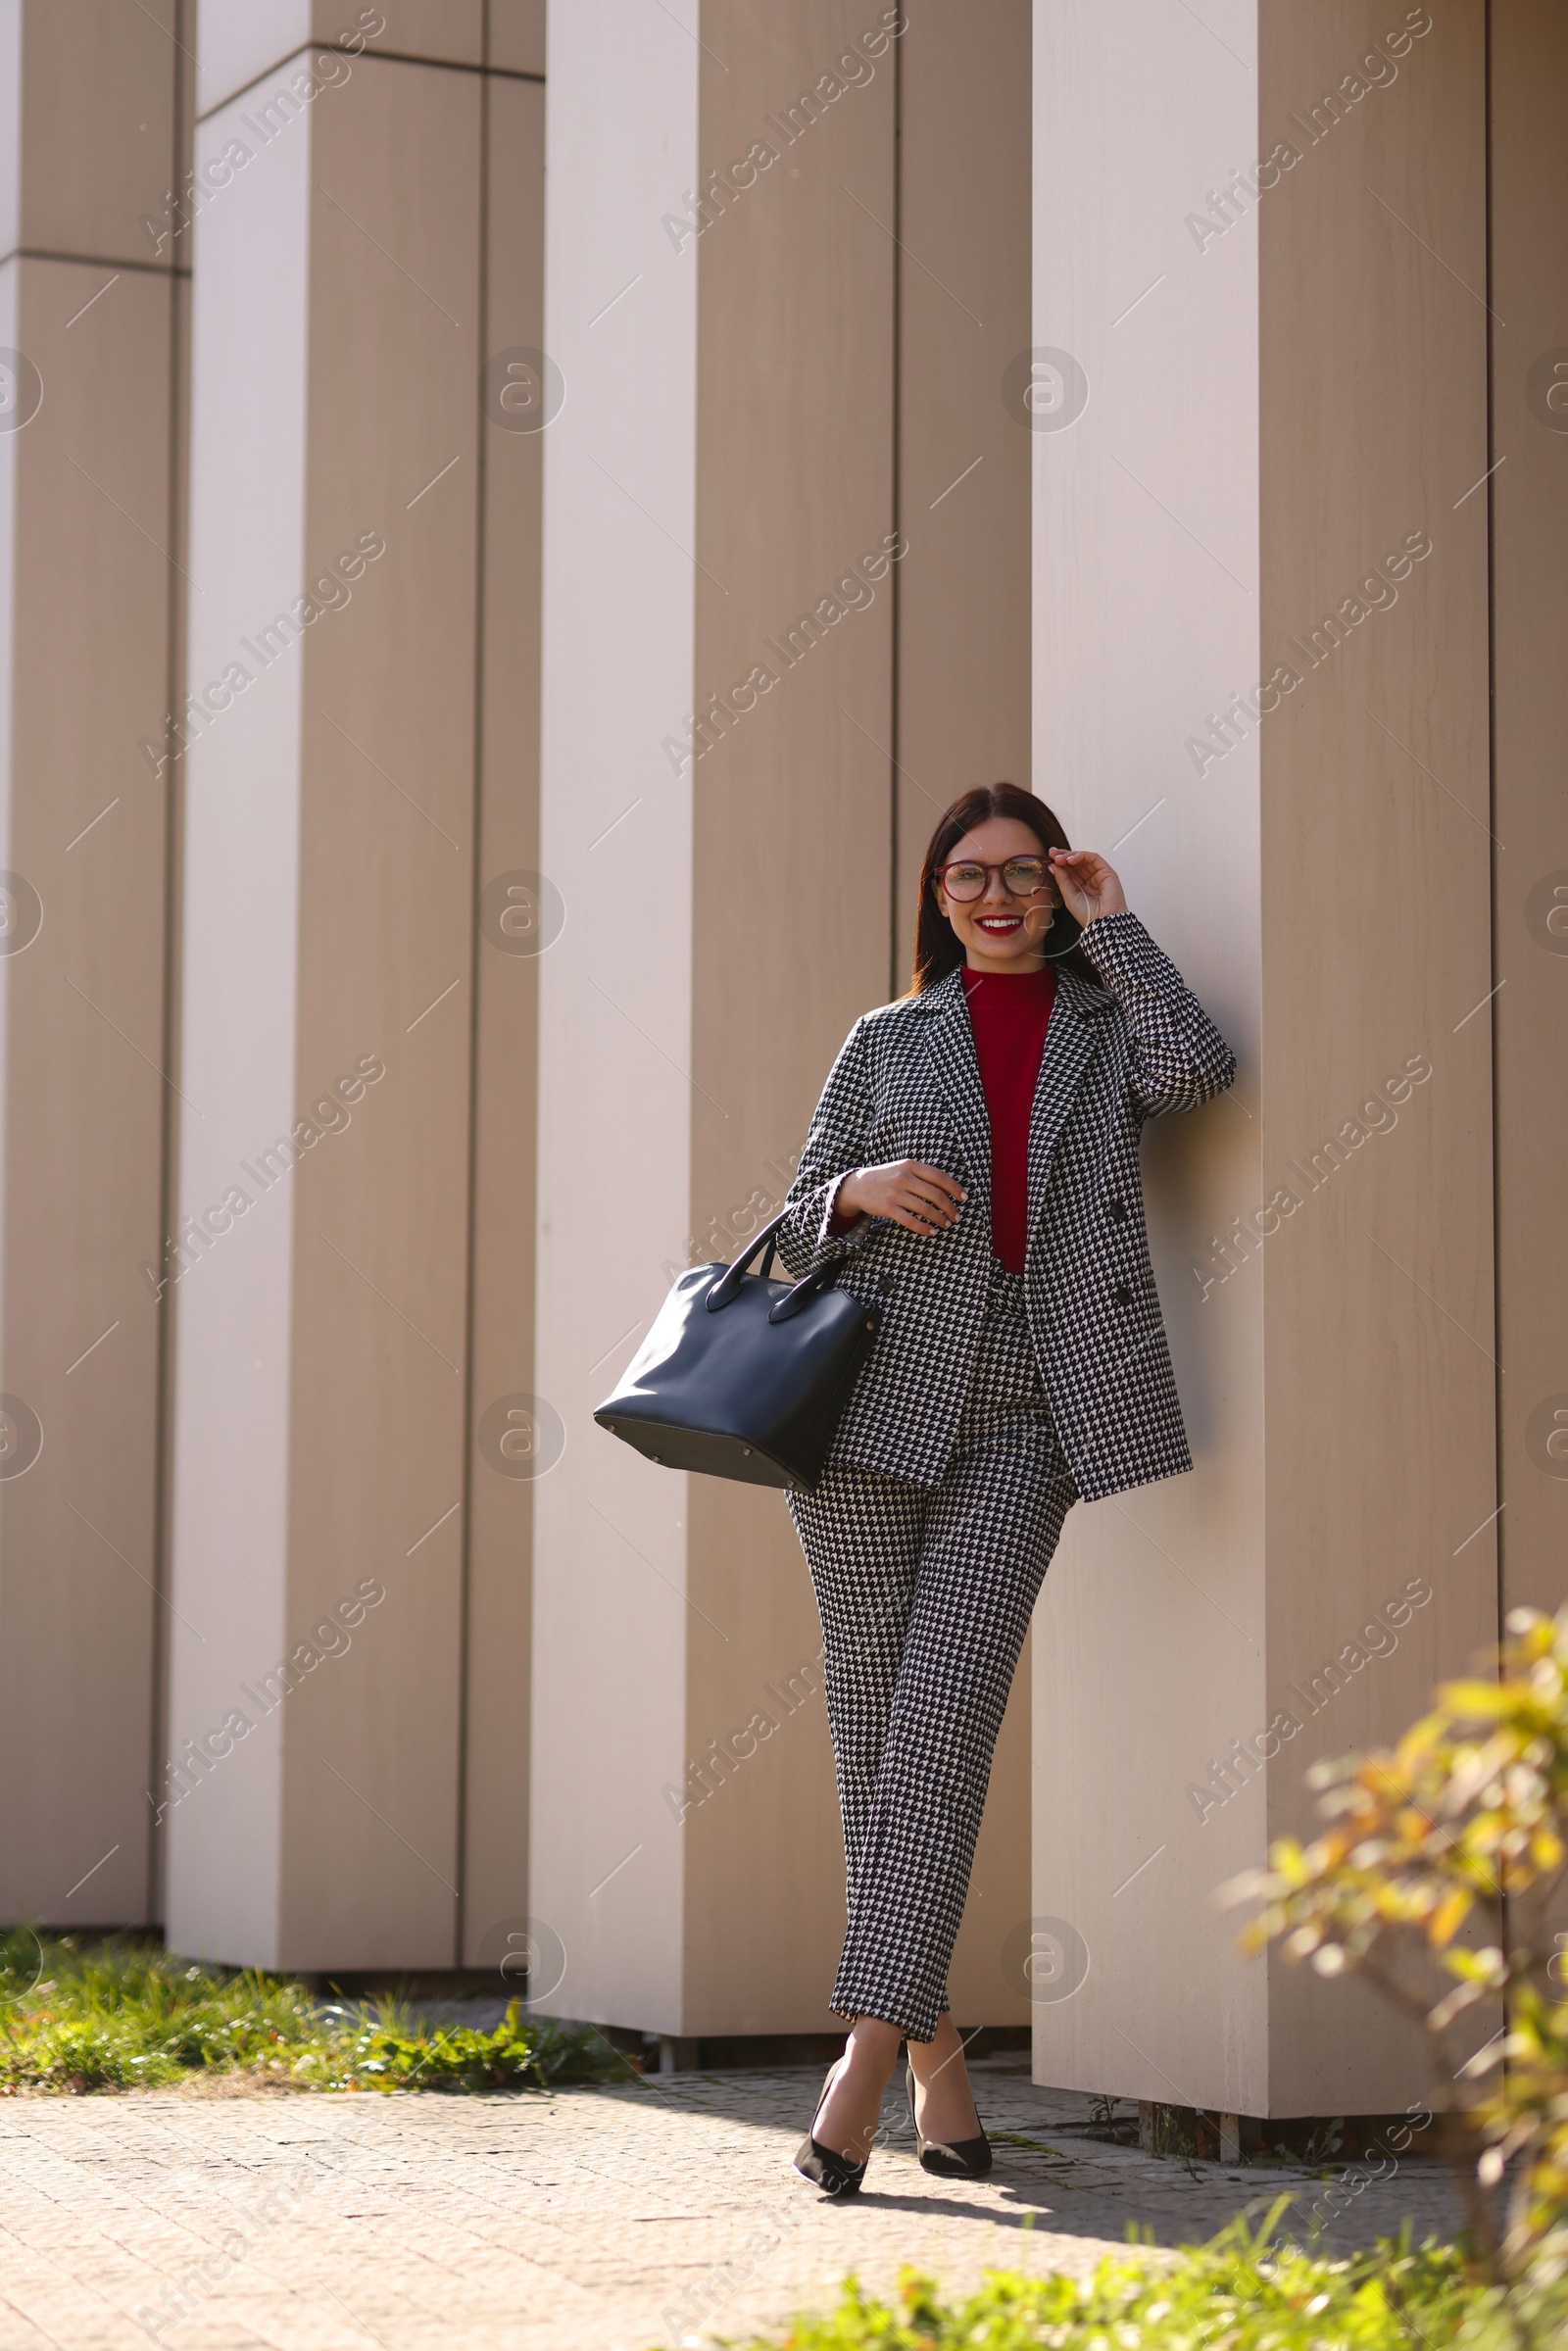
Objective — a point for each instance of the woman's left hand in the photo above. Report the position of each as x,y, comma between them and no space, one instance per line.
1088,884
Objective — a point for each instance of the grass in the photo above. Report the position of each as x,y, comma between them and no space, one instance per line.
1246,2291
81,2014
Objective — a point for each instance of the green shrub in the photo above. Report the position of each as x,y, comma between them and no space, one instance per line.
1462,1830
1243,2292
80,2015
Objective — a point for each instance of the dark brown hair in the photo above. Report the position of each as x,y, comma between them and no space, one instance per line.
938,948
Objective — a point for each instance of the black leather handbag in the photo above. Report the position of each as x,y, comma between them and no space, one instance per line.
742,1376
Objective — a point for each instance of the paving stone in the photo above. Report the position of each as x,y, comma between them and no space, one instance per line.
657,2212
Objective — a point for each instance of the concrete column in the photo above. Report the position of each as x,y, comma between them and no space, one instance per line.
334,784
91,130
717,820
1529,328
1261,582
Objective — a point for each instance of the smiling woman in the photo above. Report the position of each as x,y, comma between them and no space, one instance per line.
956,911
973,1168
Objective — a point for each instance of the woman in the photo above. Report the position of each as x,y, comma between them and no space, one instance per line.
973,1163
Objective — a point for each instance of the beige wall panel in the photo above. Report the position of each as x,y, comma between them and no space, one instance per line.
328,1344
384,917
1376,926
964,652
91,106
964,670
243,39
183,129
185,63
1528,89
790,878
442,31
240,1084
610,1613
516,35
764,1857
83,618
178,542
506,1049
239,40
1148,1641
1329,905
11,121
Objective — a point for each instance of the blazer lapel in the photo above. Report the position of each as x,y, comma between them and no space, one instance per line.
1069,1040
949,1041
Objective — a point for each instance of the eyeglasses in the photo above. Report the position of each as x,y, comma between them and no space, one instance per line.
1024,877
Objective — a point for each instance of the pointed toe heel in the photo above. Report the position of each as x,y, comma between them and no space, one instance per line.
963,2159
834,2174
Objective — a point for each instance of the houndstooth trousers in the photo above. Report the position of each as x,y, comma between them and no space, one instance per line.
925,1595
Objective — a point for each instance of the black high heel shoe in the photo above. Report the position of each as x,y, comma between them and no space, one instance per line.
824,2167
963,2159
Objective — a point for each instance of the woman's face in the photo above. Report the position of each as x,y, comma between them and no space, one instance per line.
1002,927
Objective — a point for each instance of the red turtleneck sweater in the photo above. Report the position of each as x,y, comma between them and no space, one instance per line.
1009,1013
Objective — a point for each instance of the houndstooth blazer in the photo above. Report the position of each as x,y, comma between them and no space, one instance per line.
906,1085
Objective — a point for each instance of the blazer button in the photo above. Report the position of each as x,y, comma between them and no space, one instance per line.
1124,1297
1118,1211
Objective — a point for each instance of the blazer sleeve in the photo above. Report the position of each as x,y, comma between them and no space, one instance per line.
1179,1058
836,1144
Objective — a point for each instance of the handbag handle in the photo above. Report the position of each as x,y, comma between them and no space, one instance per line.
729,1281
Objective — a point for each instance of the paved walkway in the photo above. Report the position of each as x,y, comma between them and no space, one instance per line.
660,2213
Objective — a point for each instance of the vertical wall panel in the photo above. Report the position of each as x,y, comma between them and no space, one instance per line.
964,666
516,35
711,832
508,940
1379,1359
178,597
82,1012
328,892
964,639
610,1613
243,39
790,879
1148,1642
380,1265
88,141
1529,294
1291,507
238,983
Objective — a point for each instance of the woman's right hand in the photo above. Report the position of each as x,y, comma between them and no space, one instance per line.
923,1199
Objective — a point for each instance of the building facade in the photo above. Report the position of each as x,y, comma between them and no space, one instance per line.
516,522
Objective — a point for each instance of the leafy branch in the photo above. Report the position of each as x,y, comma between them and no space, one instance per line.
1434,1879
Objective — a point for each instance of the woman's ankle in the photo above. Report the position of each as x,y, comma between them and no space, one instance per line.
849,2117
873,2046
946,2109
941,2056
